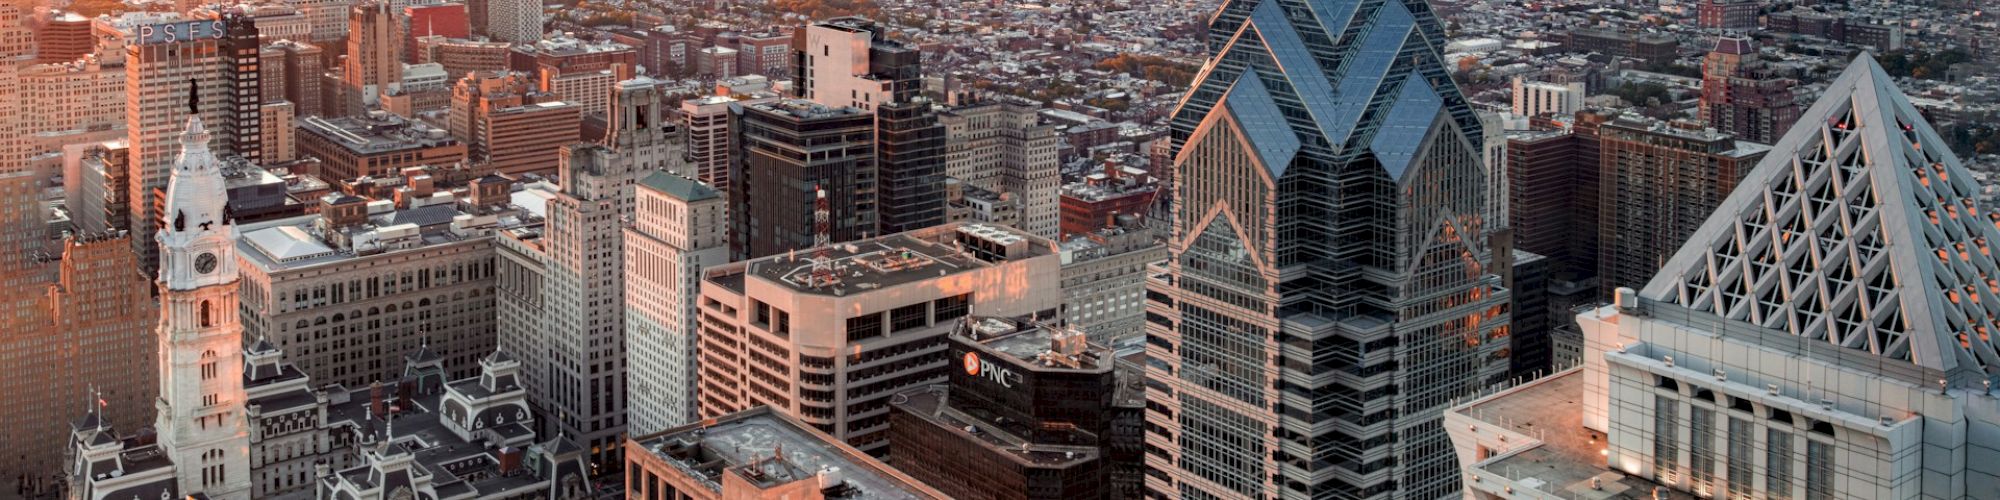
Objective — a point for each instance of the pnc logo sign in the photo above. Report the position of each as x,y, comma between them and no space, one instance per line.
980,368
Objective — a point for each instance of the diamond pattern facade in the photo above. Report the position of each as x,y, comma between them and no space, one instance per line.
1814,241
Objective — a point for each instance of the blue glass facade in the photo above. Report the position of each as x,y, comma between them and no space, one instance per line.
1330,291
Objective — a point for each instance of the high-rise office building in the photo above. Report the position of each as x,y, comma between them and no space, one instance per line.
80,317
706,121
1002,146
1032,411
1344,155
291,72
1657,182
1820,336
1104,282
852,62
788,150
62,36
680,226
374,58
243,117
829,334
517,21
159,69
17,51
1743,96
71,102
563,287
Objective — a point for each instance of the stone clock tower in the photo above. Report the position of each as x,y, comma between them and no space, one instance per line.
201,423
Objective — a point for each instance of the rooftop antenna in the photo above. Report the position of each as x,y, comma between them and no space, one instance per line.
822,265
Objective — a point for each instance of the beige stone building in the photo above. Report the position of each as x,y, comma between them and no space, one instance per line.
830,348
346,292
1003,147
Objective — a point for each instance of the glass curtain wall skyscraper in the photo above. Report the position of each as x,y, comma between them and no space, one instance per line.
1330,287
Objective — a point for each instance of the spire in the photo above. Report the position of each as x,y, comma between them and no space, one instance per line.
1860,229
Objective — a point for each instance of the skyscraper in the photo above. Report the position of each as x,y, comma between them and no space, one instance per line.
787,149
1657,182
852,62
242,119
1822,335
831,345
374,57
79,322
679,227
563,289
1743,96
1324,139
164,55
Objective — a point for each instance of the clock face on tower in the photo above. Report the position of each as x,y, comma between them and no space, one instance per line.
204,263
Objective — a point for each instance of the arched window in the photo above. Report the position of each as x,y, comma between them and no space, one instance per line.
205,320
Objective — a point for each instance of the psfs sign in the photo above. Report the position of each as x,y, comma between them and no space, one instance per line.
182,31
980,368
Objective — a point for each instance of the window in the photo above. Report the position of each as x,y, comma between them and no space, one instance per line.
909,317
1778,465
864,327
954,307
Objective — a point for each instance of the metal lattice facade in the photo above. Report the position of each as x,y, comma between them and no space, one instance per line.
1804,244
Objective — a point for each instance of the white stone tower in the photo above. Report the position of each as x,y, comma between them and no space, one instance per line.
201,420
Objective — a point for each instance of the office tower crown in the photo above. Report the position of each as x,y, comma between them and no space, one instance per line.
1860,230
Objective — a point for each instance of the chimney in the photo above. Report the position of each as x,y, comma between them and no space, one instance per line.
510,460
375,403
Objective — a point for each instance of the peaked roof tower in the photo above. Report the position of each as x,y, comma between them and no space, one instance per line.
1861,229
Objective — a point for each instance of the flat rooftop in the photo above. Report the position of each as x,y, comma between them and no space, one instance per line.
761,442
887,261
1551,409
366,135
1028,342
996,436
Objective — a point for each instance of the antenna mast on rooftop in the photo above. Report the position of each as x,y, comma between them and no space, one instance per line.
822,257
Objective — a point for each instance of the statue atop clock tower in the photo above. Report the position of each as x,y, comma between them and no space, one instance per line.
201,422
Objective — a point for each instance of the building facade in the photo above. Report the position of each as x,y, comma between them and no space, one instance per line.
852,62
1003,147
1104,282
1378,354
1658,182
680,226
1032,411
83,318
158,72
787,151
1743,96
380,145
1540,98
1706,383
830,347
